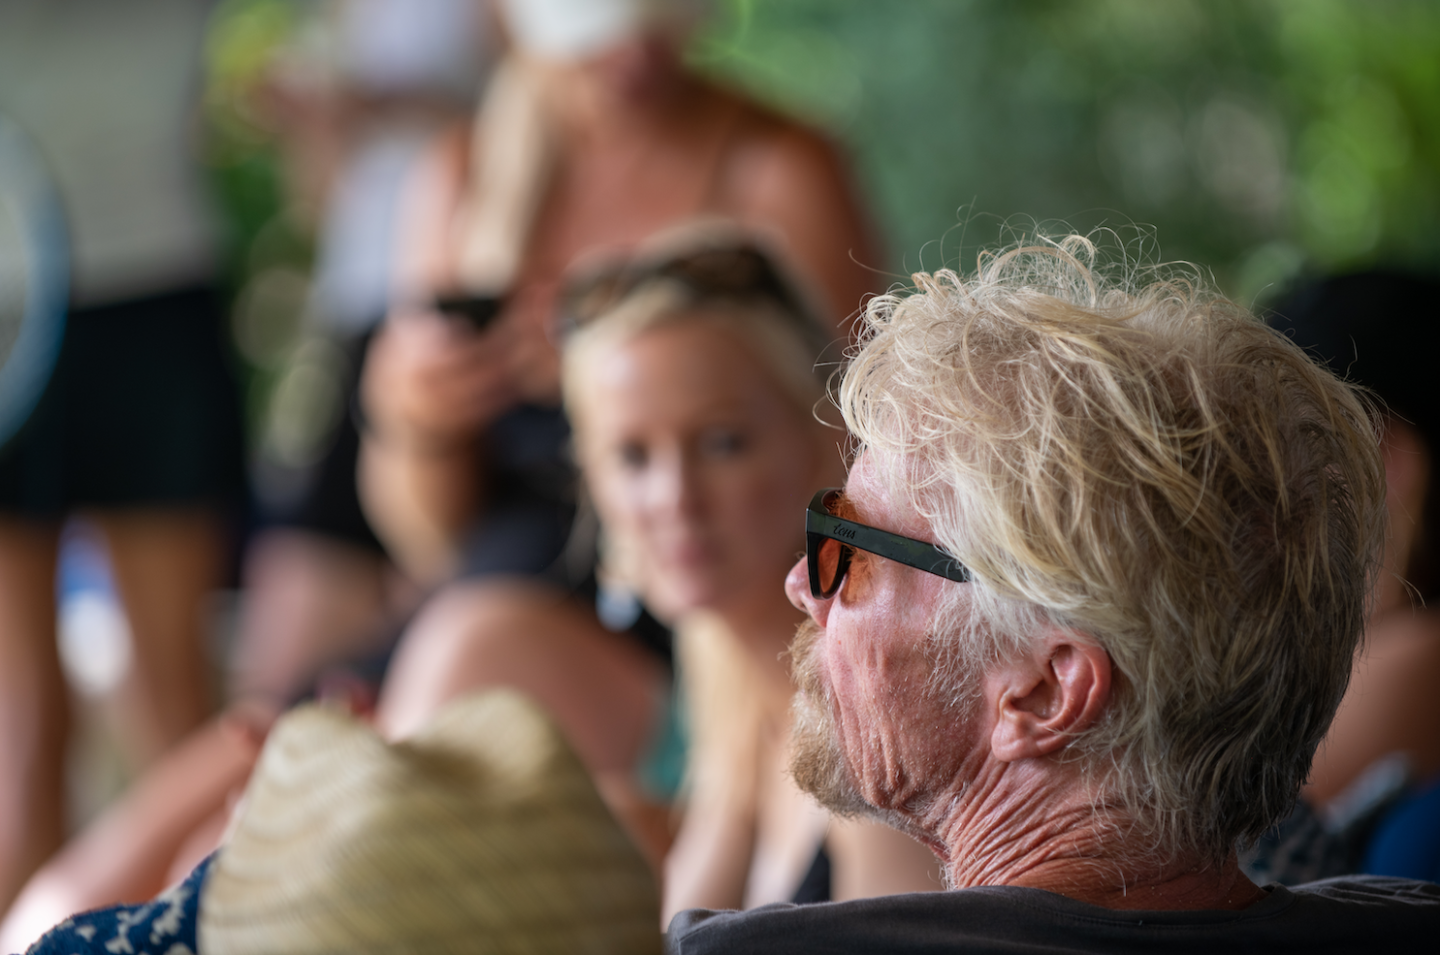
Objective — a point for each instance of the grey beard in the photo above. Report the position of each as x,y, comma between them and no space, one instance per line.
816,763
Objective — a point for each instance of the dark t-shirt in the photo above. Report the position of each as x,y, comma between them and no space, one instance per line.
1354,914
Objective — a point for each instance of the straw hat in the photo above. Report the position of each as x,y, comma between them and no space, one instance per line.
481,834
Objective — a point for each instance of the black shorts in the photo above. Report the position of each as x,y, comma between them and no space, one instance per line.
143,409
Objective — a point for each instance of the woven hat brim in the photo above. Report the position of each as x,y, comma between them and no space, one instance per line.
483,833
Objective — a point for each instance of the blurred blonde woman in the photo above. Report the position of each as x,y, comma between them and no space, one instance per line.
692,382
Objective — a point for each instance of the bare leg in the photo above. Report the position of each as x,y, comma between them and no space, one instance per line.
129,851
602,689
166,563
34,705
1391,706
309,601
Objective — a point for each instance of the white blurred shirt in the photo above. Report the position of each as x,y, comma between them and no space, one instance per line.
110,91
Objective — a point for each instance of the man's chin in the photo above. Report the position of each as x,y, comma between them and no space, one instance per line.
816,762
818,767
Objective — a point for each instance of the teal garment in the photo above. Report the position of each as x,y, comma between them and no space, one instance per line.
662,766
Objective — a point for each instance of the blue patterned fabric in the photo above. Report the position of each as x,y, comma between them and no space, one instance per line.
1297,850
166,925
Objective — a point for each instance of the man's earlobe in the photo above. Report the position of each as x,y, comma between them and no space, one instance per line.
1045,699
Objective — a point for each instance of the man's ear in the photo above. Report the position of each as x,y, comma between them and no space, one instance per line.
1044,698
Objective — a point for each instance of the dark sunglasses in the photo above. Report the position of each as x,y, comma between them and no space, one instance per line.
830,542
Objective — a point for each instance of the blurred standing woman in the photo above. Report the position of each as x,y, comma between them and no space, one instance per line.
139,427
593,136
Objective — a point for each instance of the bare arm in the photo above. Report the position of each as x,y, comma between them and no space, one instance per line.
429,387
792,183
419,488
710,858
1390,707
125,855
870,859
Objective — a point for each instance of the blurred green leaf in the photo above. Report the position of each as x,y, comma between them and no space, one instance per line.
1257,137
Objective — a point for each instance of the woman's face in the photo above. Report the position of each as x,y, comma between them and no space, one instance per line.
700,466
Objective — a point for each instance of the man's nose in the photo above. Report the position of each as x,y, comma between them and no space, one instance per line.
797,588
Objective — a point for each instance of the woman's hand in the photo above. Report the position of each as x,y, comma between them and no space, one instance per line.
430,387
433,384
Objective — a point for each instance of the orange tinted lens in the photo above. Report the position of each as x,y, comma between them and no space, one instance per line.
827,561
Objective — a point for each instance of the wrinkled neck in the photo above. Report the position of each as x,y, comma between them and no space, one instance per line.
1034,823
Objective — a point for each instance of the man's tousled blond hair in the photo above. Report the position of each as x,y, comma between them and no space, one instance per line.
1154,468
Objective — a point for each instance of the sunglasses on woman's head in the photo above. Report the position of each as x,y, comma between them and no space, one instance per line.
830,542
736,272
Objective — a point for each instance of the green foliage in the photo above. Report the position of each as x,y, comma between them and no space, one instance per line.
1257,137
266,246
241,154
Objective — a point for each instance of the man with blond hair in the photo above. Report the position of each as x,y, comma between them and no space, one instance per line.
1079,620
